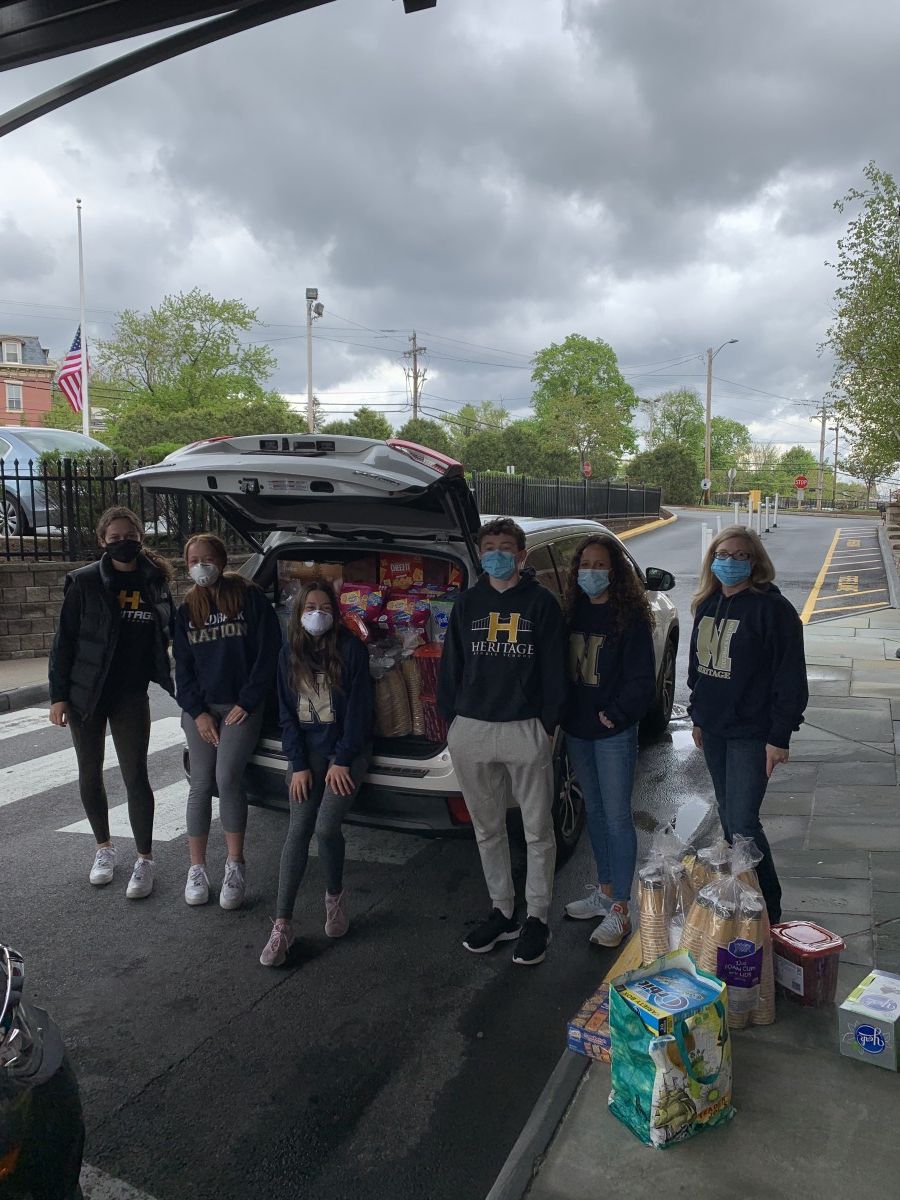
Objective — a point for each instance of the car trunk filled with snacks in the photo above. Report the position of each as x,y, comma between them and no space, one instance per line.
398,603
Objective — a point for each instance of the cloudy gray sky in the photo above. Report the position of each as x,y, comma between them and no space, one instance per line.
494,173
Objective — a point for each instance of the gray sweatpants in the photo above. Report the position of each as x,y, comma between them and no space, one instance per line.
494,760
219,769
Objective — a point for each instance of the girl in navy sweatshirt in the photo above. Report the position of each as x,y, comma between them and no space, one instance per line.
612,685
747,676
325,706
227,640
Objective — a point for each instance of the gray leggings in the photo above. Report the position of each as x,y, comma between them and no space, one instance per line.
219,769
322,813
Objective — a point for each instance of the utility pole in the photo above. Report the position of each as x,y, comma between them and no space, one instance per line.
837,435
707,439
313,310
820,486
415,377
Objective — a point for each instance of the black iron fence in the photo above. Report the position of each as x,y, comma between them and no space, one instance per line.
523,496
50,509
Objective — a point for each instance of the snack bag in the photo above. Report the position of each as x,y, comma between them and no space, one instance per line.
402,571
403,610
363,600
668,1086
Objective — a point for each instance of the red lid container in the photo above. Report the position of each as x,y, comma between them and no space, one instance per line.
806,957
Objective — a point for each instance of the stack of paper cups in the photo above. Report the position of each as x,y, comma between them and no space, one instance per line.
695,928
719,936
764,1013
656,910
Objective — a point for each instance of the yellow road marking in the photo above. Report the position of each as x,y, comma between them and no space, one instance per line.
848,583
810,605
629,533
866,592
850,607
852,543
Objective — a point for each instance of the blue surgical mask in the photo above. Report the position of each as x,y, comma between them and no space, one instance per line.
730,571
593,581
499,564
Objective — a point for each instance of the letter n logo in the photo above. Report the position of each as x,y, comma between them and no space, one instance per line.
510,627
714,643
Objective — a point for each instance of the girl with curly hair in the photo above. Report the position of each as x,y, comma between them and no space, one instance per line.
612,684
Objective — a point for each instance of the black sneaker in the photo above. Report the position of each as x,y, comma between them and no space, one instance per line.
532,944
496,928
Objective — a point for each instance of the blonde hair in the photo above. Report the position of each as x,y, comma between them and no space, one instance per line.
762,570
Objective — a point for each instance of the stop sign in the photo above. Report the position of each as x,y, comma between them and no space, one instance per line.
587,470
801,482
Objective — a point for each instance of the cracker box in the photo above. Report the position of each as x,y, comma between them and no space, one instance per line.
666,997
588,1031
400,572
869,1021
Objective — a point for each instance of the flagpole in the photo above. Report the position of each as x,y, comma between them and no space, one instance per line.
85,401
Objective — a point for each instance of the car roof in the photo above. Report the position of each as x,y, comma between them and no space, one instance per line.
552,525
22,433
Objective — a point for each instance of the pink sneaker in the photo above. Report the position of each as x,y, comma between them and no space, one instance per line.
336,920
276,948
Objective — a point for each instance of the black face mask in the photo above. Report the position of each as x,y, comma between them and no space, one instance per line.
124,552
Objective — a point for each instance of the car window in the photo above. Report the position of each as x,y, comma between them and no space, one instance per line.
564,551
541,562
4,448
59,439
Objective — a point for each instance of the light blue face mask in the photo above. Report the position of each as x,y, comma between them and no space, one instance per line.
593,581
499,564
730,571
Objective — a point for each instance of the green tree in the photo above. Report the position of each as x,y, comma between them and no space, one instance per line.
728,441
865,335
670,466
679,416
869,463
428,433
527,448
368,423
484,451
582,401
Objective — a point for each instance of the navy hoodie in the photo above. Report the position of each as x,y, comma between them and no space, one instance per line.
227,662
504,655
747,669
609,672
335,722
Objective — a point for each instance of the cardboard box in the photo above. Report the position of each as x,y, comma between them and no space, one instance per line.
869,1021
588,1031
667,996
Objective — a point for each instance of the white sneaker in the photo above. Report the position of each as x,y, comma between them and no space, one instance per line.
614,927
233,885
104,865
196,890
141,882
593,907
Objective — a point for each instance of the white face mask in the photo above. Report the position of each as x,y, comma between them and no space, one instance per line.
317,623
204,573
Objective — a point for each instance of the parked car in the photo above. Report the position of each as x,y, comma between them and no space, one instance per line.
23,505
41,1124
347,504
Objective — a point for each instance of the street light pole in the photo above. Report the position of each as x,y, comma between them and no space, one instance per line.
313,310
707,441
836,430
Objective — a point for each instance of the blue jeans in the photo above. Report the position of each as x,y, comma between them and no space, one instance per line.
738,770
605,770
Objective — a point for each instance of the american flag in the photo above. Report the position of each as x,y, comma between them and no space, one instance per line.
69,378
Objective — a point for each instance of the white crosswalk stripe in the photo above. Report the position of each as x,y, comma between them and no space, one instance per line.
169,820
26,720
97,1185
55,770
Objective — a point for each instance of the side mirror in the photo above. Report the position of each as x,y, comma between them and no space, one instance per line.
659,580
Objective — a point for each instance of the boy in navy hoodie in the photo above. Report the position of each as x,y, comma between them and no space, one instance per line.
503,688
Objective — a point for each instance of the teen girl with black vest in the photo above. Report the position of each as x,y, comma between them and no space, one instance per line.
227,640
112,641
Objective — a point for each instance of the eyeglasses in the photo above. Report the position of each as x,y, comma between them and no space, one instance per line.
737,555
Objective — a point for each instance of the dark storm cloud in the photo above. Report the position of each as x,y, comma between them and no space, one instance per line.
503,173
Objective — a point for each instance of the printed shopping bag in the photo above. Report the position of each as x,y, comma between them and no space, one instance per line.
671,1050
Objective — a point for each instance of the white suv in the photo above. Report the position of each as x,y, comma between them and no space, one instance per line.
343,501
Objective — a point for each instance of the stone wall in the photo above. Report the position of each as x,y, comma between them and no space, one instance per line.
30,597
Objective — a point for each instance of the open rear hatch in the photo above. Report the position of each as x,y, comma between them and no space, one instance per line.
312,484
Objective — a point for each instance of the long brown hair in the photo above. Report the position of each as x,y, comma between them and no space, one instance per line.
762,571
627,594
230,590
119,513
309,654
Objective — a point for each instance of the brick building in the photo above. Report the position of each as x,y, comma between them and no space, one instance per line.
26,375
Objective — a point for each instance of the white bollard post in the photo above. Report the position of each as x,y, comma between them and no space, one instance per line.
749,512
718,522
705,539
737,510
759,518
767,514
775,515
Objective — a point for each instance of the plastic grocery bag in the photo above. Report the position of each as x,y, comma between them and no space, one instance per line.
671,1078
665,895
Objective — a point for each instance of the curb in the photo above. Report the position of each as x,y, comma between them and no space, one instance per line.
524,1159
890,567
629,533
24,697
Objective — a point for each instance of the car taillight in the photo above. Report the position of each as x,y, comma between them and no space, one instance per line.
459,814
429,458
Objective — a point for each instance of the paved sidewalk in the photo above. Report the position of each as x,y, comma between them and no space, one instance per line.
809,1124
23,681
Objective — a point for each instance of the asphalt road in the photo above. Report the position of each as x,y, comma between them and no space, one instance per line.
390,1064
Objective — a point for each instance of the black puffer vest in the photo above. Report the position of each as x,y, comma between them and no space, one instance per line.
80,660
